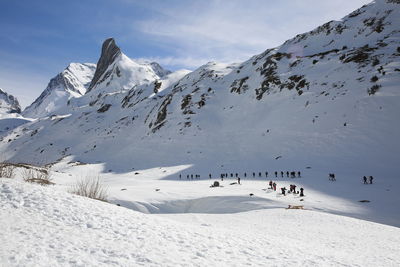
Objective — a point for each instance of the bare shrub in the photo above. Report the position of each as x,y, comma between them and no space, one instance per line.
90,187
6,170
41,177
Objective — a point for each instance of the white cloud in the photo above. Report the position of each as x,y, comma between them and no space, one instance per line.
188,62
235,30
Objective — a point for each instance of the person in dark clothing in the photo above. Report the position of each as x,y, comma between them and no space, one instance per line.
231,175
259,174
254,174
191,176
180,176
282,174
276,174
274,186
302,192
283,189
266,174
370,179
270,185
209,175
298,174
365,179
287,174
245,175
236,175
294,189
238,179
187,176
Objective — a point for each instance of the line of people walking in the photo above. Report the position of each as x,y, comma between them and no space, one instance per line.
222,176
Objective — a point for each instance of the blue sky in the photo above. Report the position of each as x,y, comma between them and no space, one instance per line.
39,38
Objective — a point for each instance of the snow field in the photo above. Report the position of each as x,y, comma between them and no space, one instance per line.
159,190
47,227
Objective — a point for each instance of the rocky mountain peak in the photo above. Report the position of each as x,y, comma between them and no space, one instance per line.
9,103
71,82
109,52
160,71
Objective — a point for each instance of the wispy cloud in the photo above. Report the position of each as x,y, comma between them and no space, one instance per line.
234,30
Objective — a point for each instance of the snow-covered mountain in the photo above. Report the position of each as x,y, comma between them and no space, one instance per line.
8,103
326,99
10,116
115,71
72,82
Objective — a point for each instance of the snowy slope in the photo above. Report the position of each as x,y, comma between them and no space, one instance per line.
72,82
8,104
47,227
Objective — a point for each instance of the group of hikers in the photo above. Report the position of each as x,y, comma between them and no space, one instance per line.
366,180
272,184
292,189
370,178
288,174
291,174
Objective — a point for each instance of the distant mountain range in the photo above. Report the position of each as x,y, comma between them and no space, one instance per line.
8,103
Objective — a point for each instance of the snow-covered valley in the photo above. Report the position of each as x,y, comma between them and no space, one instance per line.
324,102
45,226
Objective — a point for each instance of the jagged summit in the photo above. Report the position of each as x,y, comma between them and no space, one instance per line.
109,52
117,72
9,103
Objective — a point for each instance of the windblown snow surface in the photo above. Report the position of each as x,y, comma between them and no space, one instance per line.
45,226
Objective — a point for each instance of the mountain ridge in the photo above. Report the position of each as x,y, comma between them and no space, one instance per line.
8,103
72,82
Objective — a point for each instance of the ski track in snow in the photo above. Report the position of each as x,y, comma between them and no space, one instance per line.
48,227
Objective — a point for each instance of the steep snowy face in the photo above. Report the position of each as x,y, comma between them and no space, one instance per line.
327,98
72,82
117,72
8,103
